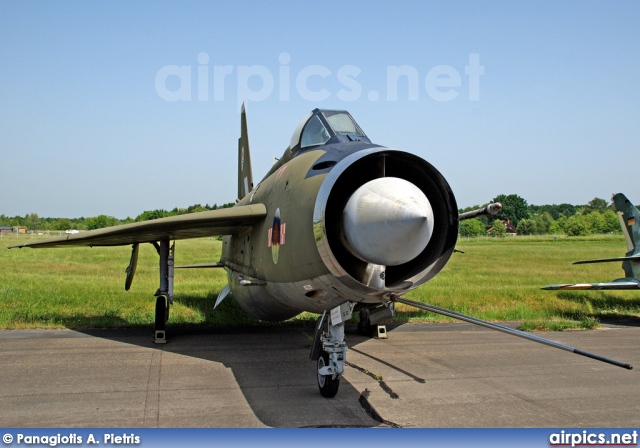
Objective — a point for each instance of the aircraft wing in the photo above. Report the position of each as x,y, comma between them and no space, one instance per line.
226,221
624,283
606,260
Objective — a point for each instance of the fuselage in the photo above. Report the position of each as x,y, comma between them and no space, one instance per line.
298,258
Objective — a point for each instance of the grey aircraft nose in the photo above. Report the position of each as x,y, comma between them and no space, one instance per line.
387,221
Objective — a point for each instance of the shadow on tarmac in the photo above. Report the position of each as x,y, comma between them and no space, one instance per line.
272,368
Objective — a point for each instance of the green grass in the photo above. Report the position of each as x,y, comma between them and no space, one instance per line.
84,287
500,280
496,280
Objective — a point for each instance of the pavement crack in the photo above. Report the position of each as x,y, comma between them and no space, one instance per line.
385,387
371,412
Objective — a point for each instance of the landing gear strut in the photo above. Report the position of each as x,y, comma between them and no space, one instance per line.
164,293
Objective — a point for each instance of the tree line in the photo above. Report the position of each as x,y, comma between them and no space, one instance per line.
596,217
37,224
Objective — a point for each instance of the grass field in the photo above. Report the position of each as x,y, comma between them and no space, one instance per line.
496,280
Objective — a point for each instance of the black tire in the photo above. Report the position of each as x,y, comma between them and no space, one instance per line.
162,313
328,386
365,328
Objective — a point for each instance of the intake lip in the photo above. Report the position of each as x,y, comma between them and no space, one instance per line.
347,259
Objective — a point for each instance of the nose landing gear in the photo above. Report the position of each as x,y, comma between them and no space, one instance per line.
329,348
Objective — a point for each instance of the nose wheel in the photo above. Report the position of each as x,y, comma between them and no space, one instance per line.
328,384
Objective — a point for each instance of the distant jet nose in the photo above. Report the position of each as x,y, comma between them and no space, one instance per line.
387,221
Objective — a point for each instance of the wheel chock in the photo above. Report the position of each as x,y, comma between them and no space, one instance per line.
381,332
160,337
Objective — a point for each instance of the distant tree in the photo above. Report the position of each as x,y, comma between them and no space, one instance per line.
61,224
472,227
196,208
596,222
498,230
597,205
555,210
514,208
152,214
577,225
101,221
557,226
178,211
33,222
543,224
603,222
612,223
566,210
526,227
562,221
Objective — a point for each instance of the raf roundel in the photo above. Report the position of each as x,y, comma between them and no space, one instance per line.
276,236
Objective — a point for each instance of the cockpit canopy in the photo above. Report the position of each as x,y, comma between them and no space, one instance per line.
325,126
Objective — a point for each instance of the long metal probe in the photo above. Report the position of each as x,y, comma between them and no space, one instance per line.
522,334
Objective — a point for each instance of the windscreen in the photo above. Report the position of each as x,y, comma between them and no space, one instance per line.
314,133
342,123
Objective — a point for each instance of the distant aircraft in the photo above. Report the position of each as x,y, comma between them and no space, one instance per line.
630,223
337,225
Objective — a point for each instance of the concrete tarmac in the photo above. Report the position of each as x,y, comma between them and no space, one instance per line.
423,375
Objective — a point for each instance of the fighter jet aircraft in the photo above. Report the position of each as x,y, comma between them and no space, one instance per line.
630,223
338,224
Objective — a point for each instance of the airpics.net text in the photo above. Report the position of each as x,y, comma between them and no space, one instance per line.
206,82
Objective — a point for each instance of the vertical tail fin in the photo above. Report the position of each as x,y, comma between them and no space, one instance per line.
245,176
629,220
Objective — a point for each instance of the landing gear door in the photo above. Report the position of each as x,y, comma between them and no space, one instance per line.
316,348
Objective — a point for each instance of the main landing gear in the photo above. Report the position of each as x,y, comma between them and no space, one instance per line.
164,293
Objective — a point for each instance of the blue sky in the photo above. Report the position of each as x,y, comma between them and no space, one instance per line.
86,127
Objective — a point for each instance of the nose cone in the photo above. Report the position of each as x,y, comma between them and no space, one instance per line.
387,221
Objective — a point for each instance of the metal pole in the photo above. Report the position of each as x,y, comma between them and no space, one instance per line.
502,328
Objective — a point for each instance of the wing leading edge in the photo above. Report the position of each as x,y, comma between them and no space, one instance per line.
227,221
